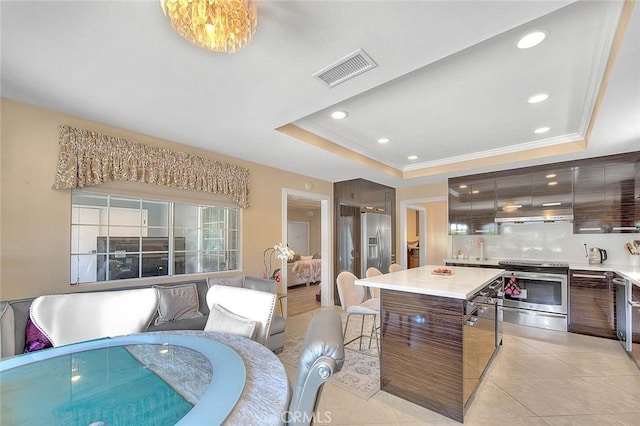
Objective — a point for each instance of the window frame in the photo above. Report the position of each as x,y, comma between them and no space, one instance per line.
231,212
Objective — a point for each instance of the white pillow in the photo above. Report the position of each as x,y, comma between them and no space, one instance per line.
306,257
177,302
224,321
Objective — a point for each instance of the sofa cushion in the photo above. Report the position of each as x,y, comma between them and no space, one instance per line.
225,321
176,303
75,317
7,330
237,281
183,324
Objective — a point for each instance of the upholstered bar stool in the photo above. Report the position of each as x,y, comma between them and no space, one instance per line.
354,302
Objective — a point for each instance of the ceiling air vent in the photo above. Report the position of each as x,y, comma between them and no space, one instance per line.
348,67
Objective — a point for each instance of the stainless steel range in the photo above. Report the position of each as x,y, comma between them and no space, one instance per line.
536,293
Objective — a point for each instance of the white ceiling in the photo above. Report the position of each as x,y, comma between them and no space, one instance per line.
450,85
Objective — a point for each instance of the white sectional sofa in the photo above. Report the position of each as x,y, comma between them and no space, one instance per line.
82,316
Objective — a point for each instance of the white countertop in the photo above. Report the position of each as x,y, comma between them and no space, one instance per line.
629,272
464,282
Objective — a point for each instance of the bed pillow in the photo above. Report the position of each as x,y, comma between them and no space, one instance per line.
306,257
177,302
35,339
225,321
237,281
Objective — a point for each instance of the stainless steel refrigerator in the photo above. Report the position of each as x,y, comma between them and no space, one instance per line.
376,242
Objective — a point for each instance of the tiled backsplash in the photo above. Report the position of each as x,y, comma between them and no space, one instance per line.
543,241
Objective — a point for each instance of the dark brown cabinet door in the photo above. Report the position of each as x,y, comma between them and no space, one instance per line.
552,188
459,207
592,303
606,195
483,207
513,194
472,207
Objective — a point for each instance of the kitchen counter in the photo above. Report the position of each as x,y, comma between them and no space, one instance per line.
463,284
474,261
436,339
629,272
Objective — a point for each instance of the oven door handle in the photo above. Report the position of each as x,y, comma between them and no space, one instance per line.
598,277
533,313
536,276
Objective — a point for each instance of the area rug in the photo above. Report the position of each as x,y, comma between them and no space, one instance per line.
360,373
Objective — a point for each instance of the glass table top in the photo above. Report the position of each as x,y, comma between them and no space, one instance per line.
142,380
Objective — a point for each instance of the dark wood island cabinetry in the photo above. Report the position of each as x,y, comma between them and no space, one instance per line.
438,334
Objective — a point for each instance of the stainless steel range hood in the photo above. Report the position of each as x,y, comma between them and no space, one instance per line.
546,215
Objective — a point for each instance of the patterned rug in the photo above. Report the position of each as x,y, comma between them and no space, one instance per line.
360,373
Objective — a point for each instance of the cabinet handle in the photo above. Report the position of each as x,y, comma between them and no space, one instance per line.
634,304
619,281
600,277
591,229
625,228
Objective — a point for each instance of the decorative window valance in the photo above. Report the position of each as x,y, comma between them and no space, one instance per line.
89,158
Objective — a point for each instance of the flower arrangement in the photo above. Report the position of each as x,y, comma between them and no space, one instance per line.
281,252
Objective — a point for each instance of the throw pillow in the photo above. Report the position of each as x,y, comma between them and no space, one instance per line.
177,302
35,339
237,281
225,321
306,257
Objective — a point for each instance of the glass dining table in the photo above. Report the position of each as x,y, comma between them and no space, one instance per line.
163,378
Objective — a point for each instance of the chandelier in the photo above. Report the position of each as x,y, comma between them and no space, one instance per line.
218,25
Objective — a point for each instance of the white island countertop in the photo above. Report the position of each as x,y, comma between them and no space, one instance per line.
464,283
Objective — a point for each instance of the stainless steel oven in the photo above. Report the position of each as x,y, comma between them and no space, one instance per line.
536,293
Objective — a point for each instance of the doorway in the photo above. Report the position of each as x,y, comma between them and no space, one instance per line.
305,280
429,216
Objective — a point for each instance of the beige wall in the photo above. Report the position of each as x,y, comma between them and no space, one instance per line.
35,219
437,217
315,242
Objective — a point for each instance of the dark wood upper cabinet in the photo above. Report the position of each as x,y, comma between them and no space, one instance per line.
472,206
603,193
606,195
552,188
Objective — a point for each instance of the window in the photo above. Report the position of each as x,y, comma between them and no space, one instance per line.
119,237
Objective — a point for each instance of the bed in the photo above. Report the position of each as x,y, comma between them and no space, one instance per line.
304,271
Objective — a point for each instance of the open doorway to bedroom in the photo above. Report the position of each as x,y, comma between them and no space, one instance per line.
306,231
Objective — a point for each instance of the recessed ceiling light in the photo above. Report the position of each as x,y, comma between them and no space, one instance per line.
532,39
538,98
383,140
412,157
540,130
339,115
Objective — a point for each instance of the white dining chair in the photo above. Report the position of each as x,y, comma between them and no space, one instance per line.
354,302
394,267
372,272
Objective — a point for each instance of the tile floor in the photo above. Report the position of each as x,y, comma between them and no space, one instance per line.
539,377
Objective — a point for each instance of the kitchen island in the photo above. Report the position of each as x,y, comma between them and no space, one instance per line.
438,333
